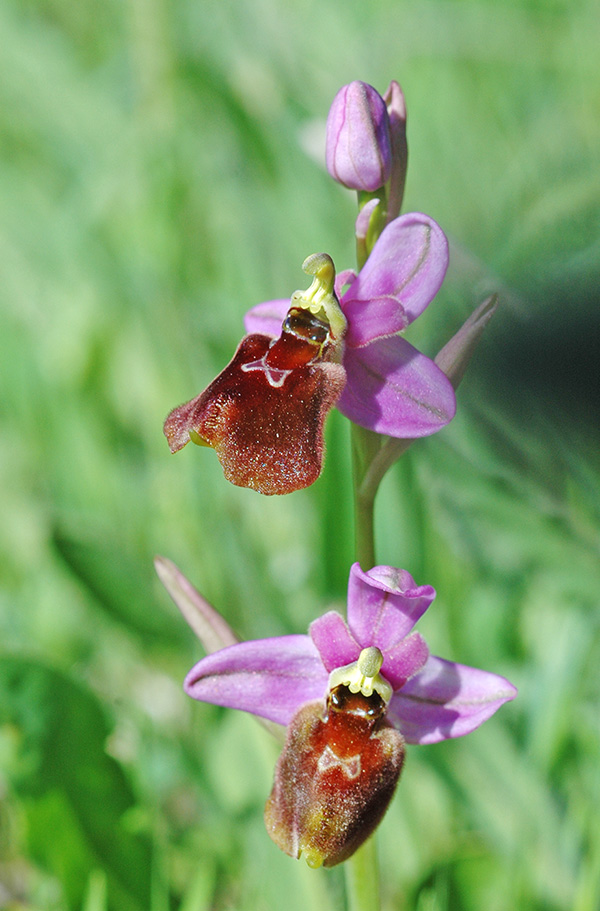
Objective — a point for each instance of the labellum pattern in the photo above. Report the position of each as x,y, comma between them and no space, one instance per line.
264,414
335,777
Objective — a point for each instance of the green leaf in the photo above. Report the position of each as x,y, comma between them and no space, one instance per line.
76,797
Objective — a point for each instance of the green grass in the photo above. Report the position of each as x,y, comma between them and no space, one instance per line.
158,177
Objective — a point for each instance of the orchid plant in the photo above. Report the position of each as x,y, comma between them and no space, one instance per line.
350,695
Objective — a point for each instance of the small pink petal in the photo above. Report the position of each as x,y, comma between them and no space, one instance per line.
361,225
343,278
404,660
266,318
333,640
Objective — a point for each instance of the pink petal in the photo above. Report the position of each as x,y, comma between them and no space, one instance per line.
447,700
266,318
384,604
268,677
401,277
334,641
345,277
404,660
393,389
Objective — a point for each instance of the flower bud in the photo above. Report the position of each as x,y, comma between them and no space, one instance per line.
358,143
335,777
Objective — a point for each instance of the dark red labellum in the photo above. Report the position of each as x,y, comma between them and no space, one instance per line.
335,777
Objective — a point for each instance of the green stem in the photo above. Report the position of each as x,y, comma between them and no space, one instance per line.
365,447
362,871
388,454
362,878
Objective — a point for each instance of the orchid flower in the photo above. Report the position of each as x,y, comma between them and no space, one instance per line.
391,388
338,690
264,414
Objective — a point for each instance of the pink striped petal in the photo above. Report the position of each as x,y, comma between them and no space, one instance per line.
393,389
267,677
384,604
447,700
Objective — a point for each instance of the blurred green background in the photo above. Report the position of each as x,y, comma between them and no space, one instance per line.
160,172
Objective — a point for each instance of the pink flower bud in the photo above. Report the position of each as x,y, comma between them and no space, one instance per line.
358,143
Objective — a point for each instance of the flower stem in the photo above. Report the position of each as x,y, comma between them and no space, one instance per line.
365,447
389,453
362,878
362,871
